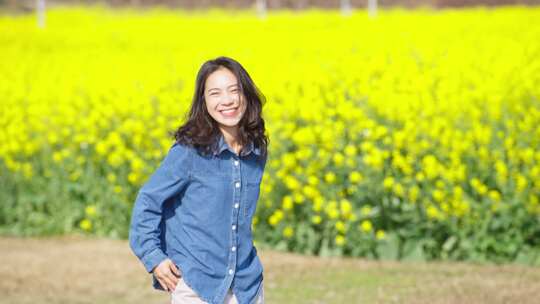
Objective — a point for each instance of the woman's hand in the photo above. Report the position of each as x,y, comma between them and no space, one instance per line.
167,274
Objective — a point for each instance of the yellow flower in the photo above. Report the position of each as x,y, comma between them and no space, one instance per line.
288,232
438,195
482,189
330,177
316,219
287,202
350,150
340,240
380,234
346,207
117,189
399,190
101,148
475,183
86,225
338,159
332,210
289,161
340,226
275,218
313,180
355,177
414,192
90,210
333,213
366,146
291,182
494,195
432,212
317,204
366,226
133,178
115,159
521,182
388,182
458,192
299,198
303,154
57,157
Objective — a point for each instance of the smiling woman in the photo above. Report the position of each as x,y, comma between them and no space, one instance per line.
191,223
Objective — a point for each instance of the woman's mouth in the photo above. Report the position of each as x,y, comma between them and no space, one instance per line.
229,112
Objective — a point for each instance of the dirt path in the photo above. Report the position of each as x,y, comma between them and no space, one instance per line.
83,270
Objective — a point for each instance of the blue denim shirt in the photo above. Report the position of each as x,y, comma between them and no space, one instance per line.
197,210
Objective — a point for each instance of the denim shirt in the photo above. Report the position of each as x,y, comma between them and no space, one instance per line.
197,210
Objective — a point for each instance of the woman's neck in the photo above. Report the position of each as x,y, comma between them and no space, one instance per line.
231,134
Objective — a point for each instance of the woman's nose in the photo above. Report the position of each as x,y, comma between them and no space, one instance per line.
228,99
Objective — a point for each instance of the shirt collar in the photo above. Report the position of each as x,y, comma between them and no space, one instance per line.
222,146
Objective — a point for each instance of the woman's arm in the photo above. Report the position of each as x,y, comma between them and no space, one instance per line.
167,181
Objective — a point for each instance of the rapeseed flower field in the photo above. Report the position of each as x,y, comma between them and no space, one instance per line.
411,135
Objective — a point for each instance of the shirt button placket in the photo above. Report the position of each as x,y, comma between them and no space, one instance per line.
236,205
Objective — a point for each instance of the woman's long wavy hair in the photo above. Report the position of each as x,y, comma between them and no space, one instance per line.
202,131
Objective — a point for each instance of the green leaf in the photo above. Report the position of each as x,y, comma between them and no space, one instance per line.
449,243
388,250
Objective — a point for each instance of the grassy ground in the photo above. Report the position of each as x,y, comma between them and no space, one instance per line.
82,270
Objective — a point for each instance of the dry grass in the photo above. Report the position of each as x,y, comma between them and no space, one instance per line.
82,270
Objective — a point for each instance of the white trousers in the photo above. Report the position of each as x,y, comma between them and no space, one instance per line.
183,294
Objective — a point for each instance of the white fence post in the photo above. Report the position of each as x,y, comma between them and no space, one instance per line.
261,8
346,8
372,8
40,12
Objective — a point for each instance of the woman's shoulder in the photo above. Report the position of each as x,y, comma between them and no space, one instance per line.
180,152
179,146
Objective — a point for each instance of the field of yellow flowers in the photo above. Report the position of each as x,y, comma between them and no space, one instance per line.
411,135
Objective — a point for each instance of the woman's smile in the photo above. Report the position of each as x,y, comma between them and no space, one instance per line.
229,113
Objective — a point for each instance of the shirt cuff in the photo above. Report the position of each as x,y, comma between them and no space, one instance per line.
152,259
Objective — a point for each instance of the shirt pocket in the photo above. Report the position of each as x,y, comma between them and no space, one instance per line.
204,200
251,196
208,166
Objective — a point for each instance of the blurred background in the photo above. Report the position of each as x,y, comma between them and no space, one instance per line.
273,4
401,132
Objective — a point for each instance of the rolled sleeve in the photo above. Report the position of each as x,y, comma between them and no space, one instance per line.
168,181
152,259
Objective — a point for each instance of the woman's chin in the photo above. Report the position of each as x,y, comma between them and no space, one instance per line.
229,123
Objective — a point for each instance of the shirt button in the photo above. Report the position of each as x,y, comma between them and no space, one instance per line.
231,271
233,248
236,163
236,205
237,184
233,227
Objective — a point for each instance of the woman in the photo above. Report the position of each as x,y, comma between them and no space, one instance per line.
191,222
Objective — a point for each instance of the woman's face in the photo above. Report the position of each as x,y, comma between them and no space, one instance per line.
223,99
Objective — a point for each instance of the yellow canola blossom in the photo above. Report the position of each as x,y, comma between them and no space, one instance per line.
356,124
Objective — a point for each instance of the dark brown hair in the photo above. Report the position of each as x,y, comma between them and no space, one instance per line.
202,131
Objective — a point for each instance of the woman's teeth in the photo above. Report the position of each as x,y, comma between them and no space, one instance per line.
229,112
